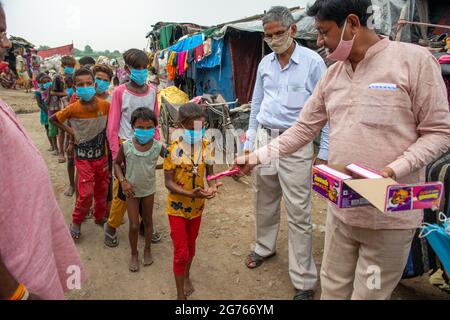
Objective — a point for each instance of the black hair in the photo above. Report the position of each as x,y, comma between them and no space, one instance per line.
143,114
190,111
42,75
339,10
116,81
135,58
103,68
84,61
68,61
58,84
83,72
68,79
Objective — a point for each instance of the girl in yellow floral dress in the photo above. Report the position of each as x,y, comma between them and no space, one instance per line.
188,160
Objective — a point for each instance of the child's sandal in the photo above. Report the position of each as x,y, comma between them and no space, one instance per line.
76,234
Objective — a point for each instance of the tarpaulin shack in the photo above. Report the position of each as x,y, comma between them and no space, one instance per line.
62,51
19,42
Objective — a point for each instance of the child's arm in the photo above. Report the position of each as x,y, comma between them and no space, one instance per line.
127,188
212,191
54,120
114,117
162,154
58,94
176,189
41,105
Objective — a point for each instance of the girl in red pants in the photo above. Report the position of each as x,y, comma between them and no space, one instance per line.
187,161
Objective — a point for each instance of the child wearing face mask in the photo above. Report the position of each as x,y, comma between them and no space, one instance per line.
140,156
44,83
88,117
187,163
103,75
127,98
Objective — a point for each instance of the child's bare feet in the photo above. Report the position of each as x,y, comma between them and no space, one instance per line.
148,259
188,287
134,264
70,192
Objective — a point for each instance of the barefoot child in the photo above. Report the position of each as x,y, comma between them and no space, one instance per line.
140,156
55,103
87,118
187,161
126,99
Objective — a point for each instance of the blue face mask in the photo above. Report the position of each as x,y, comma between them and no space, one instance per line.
47,85
102,86
69,92
193,136
139,76
144,136
86,93
69,70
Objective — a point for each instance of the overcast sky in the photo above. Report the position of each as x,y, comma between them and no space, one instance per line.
106,24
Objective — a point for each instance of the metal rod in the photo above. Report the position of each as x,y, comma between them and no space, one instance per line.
401,21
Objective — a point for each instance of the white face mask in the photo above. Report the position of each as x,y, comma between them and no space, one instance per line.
280,44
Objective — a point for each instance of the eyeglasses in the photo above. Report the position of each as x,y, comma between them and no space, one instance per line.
276,36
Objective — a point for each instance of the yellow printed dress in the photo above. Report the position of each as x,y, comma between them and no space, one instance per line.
180,160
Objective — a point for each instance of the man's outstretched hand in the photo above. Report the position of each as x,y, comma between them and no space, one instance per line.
245,163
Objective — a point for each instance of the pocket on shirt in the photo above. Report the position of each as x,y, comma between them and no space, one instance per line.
296,97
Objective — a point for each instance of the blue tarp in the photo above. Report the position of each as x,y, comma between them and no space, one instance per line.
219,79
215,58
188,43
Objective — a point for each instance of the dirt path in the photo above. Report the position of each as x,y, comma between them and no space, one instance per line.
226,236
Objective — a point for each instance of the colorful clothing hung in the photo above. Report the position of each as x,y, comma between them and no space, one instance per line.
207,47
199,53
182,63
171,69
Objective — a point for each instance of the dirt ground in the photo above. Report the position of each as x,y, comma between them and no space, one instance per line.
226,236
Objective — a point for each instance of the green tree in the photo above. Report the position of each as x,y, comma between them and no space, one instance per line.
42,47
88,49
77,52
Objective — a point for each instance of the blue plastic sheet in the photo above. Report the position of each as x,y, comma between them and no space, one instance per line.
188,43
439,240
215,58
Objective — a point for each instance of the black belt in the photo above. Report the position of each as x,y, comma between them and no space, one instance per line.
279,131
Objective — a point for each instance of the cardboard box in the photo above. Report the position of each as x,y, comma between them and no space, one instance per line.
355,186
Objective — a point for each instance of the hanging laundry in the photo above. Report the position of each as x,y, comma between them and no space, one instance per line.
188,43
165,36
171,69
191,62
207,47
199,53
182,63
214,59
